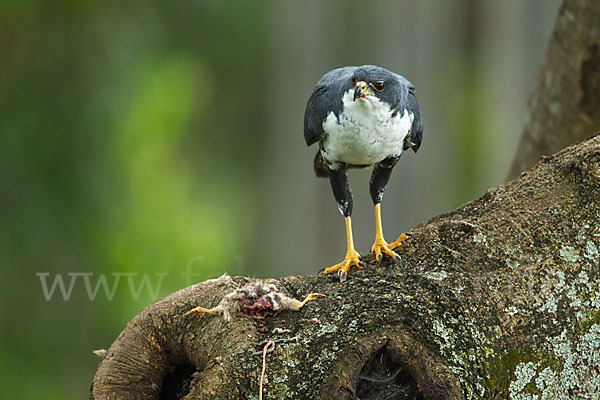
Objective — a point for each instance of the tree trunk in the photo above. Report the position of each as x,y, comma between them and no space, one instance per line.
565,105
499,298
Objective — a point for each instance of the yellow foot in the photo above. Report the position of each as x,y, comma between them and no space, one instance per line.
352,258
399,241
381,247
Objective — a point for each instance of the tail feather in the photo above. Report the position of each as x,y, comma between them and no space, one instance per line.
320,166
321,169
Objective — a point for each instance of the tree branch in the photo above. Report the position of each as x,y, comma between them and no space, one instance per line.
500,296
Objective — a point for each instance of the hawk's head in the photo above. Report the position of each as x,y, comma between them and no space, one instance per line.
370,80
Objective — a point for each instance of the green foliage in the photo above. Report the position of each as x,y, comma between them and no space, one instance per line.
115,162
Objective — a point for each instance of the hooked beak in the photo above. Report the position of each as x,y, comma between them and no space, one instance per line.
360,90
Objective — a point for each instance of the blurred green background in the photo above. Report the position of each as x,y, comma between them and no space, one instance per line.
149,146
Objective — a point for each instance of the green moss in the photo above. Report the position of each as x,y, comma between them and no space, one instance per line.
501,371
591,317
280,391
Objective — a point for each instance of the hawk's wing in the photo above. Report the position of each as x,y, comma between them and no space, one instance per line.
325,98
408,101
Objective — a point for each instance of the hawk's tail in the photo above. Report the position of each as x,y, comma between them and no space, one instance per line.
320,166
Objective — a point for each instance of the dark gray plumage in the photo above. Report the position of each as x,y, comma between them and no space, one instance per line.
325,98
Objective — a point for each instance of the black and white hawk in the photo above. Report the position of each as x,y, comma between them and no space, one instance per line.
361,116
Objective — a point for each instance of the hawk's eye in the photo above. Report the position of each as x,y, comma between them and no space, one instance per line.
379,85
353,80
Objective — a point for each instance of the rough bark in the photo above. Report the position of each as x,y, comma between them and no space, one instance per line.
498,298
565,105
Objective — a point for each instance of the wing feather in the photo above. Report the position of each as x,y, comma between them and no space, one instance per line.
408,101
416,131
325,98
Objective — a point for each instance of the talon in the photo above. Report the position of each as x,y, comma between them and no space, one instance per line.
380,246
352,257
343,266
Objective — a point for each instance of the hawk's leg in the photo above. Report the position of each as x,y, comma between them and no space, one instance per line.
352,256
343,197
379,179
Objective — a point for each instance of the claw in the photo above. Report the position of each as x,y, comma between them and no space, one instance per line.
352,258
380,247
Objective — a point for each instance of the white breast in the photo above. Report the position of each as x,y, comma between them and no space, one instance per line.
365,132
